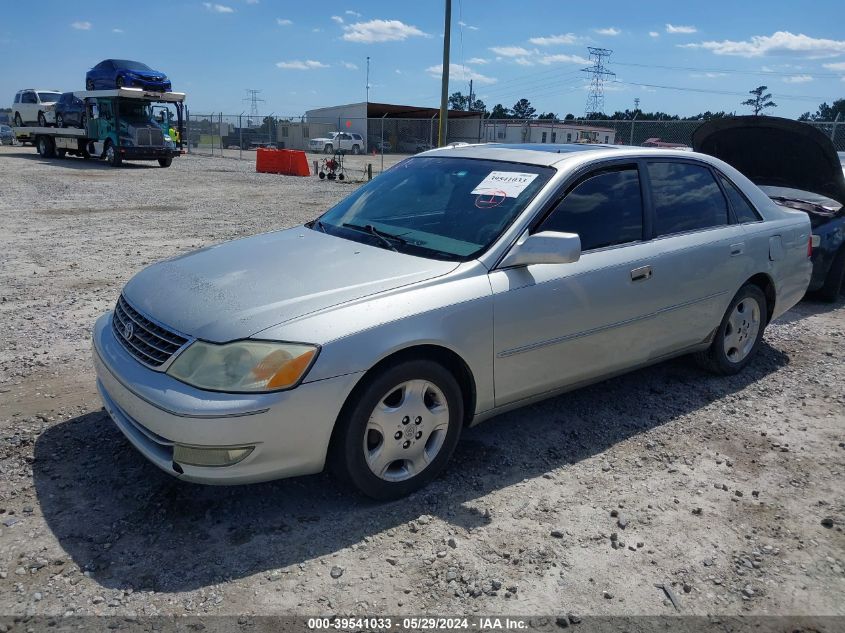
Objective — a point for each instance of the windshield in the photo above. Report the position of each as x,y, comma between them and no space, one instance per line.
130,65
46,97
134,111
437,207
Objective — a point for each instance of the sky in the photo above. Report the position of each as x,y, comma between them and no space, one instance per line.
676,57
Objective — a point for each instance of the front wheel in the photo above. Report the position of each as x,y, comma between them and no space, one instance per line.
834,283
42,120
113,157
398,430
165,162
740,332
356,149
328,149
18,120
89,84
119,82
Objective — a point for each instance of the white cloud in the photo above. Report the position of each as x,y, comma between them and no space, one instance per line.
338,19
354,14
653,34
478,60
251,1
316,30
349,65
671,28
510,51
551,40
778,43
611,31
218,8
797,79
467,26
563,59
460,73
380,31
397,71
296,64
117,30
710,75
81,26
835,66
523,61
283,22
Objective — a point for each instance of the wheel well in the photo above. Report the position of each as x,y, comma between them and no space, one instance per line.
765,283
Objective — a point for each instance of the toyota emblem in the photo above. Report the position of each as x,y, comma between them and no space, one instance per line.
128,331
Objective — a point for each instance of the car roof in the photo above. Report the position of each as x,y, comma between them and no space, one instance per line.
547,154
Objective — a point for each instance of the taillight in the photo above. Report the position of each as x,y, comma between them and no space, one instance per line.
810,246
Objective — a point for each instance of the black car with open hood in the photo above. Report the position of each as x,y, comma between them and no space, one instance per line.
797,166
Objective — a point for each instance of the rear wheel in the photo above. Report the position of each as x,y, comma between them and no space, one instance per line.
399,429
18,120
739,334
328,149
61,153
113,157
119,82
834,283
356,149
165,162
60,120
45,146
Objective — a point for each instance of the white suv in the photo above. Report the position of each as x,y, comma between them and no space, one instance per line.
35,106
338,140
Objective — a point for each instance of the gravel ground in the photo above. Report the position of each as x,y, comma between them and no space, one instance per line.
728,490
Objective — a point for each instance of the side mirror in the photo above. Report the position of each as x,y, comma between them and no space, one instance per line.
547,247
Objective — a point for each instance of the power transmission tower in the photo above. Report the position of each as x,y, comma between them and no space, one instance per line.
598,74
254,99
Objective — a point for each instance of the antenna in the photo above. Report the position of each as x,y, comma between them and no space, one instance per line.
253,98
598,73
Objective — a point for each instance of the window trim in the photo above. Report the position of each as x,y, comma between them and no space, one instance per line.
582,175
719,176
653,210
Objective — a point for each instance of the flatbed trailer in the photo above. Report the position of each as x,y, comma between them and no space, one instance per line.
111,134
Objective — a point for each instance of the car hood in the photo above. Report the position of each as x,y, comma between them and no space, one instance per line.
146,74
775,152
237,289
322,139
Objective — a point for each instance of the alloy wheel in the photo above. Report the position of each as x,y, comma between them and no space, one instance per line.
741,329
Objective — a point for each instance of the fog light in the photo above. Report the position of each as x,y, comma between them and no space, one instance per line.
195,456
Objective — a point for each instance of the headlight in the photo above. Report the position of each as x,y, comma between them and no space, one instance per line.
244,366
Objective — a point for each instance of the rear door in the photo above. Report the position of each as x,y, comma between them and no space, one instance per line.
29,106
701,259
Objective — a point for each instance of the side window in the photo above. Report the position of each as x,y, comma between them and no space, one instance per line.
28,97
686,198
743,210
17,97
604,209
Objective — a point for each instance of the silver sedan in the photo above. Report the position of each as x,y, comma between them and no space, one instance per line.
461,283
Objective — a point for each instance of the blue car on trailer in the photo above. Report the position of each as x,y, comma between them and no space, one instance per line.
125,73
797,165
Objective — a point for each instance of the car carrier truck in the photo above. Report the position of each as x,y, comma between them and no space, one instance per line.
120,125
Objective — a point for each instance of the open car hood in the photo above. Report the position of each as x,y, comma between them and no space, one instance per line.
775,152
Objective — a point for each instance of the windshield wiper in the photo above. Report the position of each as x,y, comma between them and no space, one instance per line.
384,236
320,224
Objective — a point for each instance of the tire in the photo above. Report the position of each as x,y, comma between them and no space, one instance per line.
356,149
18,120
113,157
834,283
61,153
89,84
328,149
165,162
118,82
418,407
60,120
45,146
42,120
736,341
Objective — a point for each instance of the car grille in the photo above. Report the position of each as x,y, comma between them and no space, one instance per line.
149,136
149,342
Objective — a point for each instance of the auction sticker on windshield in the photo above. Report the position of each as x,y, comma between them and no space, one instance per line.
507,183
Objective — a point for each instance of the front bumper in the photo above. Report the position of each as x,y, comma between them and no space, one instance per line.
146,84
145,152
290,430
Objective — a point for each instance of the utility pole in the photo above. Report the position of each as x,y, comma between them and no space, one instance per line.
636,103
469,105
368,78
444,87
253,98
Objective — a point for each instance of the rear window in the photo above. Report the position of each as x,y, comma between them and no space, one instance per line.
686,198
743,210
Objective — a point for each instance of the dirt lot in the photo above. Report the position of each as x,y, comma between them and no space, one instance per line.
730,490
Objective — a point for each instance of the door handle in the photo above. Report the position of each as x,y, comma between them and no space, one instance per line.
737,249
641,274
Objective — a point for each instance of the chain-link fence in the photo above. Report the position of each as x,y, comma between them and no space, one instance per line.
237,136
